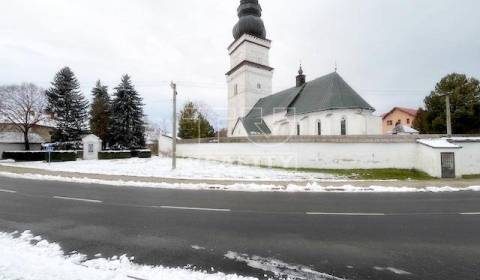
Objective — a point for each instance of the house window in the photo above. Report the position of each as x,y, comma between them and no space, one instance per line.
389,122
343,127
298,130
319,128
90,148
235,89
408,121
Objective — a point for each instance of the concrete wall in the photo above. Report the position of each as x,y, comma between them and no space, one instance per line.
353,152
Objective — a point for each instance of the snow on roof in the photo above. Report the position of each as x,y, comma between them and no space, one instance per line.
17,137
464,139
46,121
440,143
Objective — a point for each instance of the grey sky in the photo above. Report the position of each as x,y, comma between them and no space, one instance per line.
392,52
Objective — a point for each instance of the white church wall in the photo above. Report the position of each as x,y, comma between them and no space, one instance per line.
358,122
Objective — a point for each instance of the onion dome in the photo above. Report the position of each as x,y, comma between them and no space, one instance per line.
250,21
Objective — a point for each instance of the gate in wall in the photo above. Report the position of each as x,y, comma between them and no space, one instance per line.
448,165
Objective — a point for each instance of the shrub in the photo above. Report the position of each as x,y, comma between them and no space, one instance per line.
80,154
25,155
60,156
55,156
103,155
141,153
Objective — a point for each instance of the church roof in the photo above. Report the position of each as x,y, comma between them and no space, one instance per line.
325,93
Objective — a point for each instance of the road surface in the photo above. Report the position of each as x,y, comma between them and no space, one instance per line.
349,235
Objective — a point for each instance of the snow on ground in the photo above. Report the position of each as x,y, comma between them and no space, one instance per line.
393,270
280,268
28,257
311,187
186,168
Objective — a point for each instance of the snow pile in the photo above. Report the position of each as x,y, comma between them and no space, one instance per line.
28,257
280,268
160,167
311,187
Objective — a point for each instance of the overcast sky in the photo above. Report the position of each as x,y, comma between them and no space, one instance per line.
392,52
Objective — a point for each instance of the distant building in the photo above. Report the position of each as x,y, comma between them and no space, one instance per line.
323,106
14,141
398,116
44,128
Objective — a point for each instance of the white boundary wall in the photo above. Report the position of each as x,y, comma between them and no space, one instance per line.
335,154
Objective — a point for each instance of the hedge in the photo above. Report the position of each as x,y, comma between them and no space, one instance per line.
55,156
60,156
114,155
141,153
24,155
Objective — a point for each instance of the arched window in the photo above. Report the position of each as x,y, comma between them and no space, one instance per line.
235,89
343,126
319,128
298,130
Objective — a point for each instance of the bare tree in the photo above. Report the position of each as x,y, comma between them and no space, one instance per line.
23,106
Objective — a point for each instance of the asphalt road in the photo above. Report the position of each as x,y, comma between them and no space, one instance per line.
352,236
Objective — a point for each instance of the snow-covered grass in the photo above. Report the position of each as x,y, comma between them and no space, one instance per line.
186,169
241,187
28,257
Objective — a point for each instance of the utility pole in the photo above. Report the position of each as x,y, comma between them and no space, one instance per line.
174,127
449,113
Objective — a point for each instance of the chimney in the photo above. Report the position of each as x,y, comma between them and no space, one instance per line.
300,77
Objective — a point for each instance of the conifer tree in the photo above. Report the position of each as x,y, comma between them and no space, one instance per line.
193,124
100,113
68,105
127,125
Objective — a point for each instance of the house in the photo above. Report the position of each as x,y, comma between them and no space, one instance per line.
323,106
398,116
44,128
14,141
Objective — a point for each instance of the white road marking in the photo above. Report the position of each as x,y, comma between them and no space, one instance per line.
345,214
193,208
473,213
78,199
7,191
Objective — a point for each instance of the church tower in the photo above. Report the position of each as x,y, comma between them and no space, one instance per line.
250,75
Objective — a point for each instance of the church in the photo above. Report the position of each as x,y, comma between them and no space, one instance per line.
323,106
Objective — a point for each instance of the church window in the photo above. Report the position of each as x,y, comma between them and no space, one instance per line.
298,130
319,128
259,86
343,127
235,89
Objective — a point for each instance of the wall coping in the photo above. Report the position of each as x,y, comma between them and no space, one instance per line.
317,139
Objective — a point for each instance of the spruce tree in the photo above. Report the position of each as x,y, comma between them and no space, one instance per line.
69,106
100,113
127,125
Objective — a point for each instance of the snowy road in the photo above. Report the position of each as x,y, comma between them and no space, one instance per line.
310,235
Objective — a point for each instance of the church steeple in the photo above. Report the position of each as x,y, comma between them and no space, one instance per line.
301,78
250,21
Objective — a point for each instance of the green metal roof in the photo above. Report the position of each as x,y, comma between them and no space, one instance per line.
325,93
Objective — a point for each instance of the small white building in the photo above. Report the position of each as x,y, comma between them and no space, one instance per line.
92,145
323,106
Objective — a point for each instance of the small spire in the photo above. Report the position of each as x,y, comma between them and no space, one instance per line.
336,66
300,71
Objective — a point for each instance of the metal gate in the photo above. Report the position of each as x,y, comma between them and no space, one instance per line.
448,165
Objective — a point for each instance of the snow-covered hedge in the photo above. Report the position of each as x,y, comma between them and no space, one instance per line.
114,155
146,153
24,155
55,156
